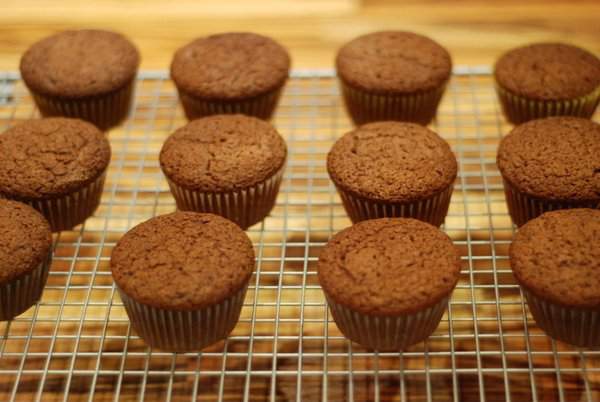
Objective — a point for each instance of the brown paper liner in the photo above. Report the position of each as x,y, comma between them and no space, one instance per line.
184,330
245,206
387,332
432,210
364,107
19,294
69,210
523,207
518,109
104,111
262,106
577,326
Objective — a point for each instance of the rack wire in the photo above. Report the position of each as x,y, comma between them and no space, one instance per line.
77,344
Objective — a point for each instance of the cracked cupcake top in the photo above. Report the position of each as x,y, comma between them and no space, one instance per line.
183,261
51,157
389,266
76,64
230,66
394,62
557,257
223,153
548,71
392,161
25,239
555,158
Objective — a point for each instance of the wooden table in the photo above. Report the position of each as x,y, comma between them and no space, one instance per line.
475,31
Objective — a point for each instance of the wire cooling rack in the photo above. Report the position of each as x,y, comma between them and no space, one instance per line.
77,344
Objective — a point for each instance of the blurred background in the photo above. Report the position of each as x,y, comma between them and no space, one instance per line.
475,31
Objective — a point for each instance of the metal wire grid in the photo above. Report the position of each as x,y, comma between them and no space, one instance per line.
77,344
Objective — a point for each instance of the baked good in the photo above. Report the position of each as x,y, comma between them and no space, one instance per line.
393,75
550,164
547,79
182,278
235,72
556,260
229,165
393,169
56,165
88,74
387,281
25,254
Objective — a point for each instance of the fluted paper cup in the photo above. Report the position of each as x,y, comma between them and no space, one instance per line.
431,210
245,206
523,207
573,325
262,106
104,111
518,109
17,295
184,330
387,332
365,107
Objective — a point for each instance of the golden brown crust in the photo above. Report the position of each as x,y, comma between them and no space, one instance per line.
557,257
51,157
25,239
392,161
230,66
394,62
75,64
389,266
556,158
183,261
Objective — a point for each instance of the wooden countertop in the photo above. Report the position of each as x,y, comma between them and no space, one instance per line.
475,31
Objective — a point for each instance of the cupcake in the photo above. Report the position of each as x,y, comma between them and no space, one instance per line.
56,165
393,169
230,73
549,164
393,75
547,79
388,281
25,241
556,261
88,74
182,278
229,165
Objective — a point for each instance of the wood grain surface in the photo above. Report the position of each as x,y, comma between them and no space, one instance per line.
475,31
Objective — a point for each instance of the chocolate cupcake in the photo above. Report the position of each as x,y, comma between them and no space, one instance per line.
393,169
388,281
547,79
56,165
182,278
393,75
556,261
88,74
230,73
229,165
25,254
549,164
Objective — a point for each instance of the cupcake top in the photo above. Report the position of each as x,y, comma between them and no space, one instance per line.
75,64
223,153
389,266
230,66
548,71
51,157
557,257
394,62
183,261
392,161
25,239
553,158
